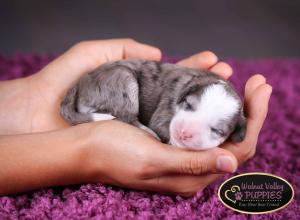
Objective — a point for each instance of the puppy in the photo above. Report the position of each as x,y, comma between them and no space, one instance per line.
188,108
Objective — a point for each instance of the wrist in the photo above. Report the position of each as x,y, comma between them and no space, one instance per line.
76,157
44,159
14,103
88,162
94,152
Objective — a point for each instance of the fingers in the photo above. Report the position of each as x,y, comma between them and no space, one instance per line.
184,185
88,55
191,166
256,105
180,161
222,69
101,51
133,49
257,96
256,91
208,60
118,49
203,60
257,108
252,84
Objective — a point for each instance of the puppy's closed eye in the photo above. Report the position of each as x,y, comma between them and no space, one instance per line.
217,131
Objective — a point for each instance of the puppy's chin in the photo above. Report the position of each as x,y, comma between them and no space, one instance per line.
188,146
193,148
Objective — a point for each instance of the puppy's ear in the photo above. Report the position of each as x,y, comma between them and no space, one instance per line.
189,90
187,99
239,131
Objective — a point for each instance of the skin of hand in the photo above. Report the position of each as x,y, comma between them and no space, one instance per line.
131,158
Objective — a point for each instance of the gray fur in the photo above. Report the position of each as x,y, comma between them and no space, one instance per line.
142,93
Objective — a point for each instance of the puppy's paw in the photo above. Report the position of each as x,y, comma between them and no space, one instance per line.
101,117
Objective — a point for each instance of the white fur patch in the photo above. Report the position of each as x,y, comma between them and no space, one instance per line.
95,116
102,117
216,103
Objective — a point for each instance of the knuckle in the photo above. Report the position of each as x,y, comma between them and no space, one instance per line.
194,167
249,153
129,40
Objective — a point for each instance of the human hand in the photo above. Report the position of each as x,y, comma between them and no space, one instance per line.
63,72
134,159
119,154
191,171
49,85
154,166
257,95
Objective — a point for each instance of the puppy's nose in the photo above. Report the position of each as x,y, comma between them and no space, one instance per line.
185,135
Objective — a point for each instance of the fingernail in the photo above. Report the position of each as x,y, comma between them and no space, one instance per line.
226,164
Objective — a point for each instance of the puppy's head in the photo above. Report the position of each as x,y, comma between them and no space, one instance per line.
206,115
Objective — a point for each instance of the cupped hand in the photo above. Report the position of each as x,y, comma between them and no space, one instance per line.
121,154
257,95
49,85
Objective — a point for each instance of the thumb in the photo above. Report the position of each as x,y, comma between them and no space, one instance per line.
181,161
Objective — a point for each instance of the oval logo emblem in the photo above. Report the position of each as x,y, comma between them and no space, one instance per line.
256,193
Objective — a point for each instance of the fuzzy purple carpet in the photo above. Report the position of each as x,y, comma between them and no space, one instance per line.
278,152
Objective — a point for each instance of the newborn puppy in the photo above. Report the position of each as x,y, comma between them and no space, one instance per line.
185,107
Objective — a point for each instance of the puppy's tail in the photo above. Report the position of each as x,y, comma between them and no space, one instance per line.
69,111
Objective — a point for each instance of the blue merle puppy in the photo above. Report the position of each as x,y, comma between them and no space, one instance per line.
188,108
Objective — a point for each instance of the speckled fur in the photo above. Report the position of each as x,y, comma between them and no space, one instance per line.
140,91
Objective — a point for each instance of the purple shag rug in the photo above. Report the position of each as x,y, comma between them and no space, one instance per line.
278,152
